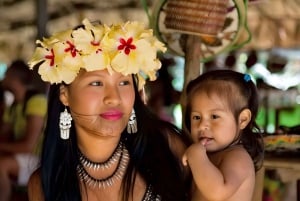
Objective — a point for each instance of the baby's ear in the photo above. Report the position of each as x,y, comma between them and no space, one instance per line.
244,118
63,95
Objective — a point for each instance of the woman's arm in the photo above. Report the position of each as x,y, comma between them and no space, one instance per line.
35,192
6,132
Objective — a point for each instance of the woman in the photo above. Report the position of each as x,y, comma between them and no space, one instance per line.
101,142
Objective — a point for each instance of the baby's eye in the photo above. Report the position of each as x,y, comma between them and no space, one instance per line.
214,116
96,83
196,117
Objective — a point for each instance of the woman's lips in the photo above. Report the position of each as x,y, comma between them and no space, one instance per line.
112,115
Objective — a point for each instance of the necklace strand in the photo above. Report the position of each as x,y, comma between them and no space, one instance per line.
110,180
102,165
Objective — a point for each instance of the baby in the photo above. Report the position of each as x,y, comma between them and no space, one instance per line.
228,149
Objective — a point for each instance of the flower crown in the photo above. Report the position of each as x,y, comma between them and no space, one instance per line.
126,48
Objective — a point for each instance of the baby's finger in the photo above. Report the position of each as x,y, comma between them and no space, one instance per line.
184,160
204,141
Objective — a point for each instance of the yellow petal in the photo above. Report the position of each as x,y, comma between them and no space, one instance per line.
38,56
96,61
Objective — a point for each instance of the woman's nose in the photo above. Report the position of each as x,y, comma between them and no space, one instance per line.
112,96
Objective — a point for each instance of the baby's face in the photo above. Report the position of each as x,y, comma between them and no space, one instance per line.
212,122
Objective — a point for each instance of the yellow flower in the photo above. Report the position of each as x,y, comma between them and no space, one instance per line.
46,48
127,48
88,42
60,60
133,49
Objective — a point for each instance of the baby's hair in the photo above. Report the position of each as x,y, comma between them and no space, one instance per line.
238,92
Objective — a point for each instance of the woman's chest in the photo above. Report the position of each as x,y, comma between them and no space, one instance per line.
115,193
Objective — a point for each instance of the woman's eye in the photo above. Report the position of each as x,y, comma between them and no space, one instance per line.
126,82
97,83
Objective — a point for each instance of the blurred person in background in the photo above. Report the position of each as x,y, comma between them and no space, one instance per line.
22,125
2,103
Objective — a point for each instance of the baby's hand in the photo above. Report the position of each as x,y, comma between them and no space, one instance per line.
194,151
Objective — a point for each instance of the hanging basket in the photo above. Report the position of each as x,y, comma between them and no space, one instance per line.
197,17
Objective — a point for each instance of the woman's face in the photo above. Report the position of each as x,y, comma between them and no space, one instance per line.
100,103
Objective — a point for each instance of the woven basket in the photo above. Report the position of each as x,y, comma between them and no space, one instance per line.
198,17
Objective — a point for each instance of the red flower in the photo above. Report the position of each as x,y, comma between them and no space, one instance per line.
71,48
93,43
51,57
126,45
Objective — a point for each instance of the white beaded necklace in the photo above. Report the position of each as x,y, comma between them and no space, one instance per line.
120,153
102,165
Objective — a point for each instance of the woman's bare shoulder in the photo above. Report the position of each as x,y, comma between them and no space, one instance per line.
35,192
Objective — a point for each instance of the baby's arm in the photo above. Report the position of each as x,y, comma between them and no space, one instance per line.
218,183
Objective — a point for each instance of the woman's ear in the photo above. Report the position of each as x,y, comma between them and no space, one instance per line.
244,118
63,95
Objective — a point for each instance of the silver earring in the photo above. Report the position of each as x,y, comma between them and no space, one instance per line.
132,124
65,124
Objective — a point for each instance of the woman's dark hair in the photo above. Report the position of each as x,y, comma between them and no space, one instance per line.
59,157
239,92
150,156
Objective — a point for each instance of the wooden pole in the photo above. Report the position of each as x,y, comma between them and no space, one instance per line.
191,67
41,26
41,18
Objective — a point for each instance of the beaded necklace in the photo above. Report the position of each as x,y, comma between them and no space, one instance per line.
102,165
120,155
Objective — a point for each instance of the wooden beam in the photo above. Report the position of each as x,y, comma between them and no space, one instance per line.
192,49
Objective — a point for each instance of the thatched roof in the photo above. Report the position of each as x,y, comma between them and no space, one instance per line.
273,23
